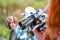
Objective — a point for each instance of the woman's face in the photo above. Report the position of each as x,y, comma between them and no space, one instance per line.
10,19
10,22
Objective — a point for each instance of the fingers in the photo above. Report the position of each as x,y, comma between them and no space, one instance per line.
39,34
35,29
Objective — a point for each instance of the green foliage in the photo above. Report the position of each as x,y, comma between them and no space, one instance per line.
3,3
16,4
40,4
2,19
41,0
4,32
38,0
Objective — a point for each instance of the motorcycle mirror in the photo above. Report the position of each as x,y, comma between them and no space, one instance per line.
30,10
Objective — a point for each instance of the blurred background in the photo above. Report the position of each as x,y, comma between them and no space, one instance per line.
16,7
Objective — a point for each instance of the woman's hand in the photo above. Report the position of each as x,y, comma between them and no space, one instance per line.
39,34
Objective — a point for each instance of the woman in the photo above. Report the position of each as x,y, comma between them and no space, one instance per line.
53,31
11,22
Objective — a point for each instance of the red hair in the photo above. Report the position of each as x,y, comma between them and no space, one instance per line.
53,19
